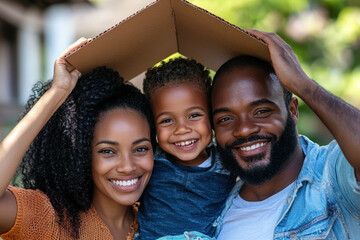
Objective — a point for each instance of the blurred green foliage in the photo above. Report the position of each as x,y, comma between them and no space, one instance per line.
324,34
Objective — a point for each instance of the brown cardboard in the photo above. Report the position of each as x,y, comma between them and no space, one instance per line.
161,29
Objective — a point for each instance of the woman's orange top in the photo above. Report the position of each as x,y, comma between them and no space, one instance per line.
36,219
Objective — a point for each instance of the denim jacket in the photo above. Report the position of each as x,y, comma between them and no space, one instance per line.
183,198
324,202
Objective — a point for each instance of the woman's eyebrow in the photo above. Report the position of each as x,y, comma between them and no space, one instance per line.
141,140
107,142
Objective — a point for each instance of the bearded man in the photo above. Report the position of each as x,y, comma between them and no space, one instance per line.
289,187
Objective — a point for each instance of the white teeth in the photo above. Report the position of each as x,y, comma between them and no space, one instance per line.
185,143
252,147
125,183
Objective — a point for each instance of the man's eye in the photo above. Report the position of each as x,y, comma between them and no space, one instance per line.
223,119
263,112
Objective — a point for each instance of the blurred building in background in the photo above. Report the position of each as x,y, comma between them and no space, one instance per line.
33,33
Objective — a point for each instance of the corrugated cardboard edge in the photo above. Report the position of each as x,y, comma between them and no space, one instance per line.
223,20
109,29
210,39
133,45
204,58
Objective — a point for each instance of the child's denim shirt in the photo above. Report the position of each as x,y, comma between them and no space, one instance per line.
183,198
324,202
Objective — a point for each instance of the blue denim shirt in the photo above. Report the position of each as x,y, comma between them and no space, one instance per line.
324,202
183,198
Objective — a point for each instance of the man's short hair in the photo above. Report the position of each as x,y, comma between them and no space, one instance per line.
244,61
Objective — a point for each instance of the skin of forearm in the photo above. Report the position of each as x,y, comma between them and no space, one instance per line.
14,146
339,117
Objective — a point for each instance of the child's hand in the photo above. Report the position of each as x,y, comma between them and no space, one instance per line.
65,75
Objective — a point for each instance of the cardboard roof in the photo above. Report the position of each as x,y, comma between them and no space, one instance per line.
161,29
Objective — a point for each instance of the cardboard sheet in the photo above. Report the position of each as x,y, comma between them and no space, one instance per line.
161,29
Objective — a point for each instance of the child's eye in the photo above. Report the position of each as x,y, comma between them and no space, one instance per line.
195,115
167,120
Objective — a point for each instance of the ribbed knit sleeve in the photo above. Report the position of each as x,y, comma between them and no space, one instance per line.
37,219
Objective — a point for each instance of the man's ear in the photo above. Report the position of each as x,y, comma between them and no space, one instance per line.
293,109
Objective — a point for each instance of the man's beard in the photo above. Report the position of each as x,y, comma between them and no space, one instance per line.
280,154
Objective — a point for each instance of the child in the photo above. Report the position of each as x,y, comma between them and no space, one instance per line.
188,188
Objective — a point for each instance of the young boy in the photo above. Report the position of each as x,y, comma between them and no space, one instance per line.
188,187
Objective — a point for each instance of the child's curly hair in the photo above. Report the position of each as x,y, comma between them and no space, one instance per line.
58,162
177,71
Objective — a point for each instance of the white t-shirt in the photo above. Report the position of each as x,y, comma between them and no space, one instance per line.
253,220
206,163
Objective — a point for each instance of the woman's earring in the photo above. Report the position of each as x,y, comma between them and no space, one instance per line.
156,139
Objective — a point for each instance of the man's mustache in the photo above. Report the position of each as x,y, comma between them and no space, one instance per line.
240,141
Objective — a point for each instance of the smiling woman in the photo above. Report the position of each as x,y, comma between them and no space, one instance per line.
88,156
121,144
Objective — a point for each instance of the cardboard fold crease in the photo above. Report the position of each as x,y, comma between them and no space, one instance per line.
161,29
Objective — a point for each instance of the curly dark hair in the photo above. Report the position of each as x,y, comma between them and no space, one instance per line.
58,162
177,71
243,61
